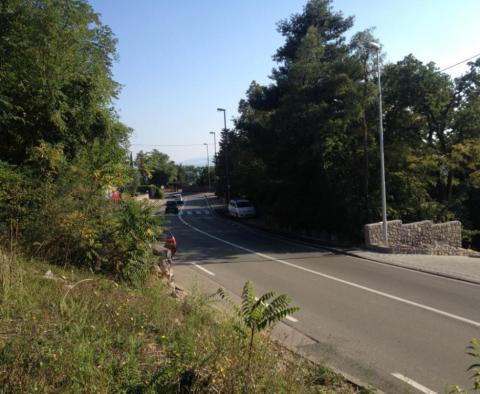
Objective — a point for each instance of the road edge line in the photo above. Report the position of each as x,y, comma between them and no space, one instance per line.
420,387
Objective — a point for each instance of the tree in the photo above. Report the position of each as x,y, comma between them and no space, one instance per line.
302,146
296,140
55,72
156,168
433,134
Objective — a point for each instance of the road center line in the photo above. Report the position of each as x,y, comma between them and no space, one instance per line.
412,383
377,292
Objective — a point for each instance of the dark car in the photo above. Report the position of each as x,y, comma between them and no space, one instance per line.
171,207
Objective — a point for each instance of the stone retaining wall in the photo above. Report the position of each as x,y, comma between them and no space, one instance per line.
374,232
449,233
418,237
416,234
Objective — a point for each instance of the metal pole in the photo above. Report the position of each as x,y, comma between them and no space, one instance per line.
226,156
214,143
382,158
208,169
226,152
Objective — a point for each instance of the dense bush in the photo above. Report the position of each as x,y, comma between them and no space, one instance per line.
143,189
64,216
155,192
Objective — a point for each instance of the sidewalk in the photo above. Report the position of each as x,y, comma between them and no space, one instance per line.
454,267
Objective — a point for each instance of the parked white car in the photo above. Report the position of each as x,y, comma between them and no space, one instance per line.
241,208
178,198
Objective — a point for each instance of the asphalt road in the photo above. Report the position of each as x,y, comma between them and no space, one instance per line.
399,330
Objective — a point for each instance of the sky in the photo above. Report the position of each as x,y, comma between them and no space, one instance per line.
179,60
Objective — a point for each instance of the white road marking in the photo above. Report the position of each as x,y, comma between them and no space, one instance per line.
203,269
345,282
198,212
412,383
188,212
206,212
288,317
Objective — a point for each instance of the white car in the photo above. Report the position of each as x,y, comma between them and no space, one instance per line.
241,208
178,198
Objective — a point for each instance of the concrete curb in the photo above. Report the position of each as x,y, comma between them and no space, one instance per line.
338,250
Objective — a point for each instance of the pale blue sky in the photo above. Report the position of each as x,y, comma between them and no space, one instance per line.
180,60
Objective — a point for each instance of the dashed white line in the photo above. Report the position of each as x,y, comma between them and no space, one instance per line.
203,269
288,317
345,282
412,383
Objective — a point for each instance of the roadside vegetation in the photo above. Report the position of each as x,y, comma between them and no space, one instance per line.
79,310
322,173
71,331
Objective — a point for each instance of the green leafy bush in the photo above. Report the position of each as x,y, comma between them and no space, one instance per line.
155,192
65,216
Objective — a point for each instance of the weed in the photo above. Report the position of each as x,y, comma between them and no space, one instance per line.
71,334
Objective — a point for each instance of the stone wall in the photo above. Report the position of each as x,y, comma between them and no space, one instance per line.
374,232
417,237
417,234
449,233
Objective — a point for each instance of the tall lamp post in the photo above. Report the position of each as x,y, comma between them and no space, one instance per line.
214,160
226,151
214,143
376,47
208,168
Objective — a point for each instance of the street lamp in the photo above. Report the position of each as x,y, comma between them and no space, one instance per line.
377,48
214,143
208,167
226,151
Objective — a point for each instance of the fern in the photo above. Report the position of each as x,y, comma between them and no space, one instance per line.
257,314
474,350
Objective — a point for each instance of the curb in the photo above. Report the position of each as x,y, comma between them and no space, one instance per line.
334,249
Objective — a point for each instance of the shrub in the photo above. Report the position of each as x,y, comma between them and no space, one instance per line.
155,192
143,189
64,216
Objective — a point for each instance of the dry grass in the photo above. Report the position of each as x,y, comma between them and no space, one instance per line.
101,336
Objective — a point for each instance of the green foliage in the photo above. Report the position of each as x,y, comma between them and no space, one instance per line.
64,216
156,168
188,174
109,338
257,314
473,350
305,147
56,77
155,192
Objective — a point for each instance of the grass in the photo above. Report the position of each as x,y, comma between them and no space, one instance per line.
84,333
